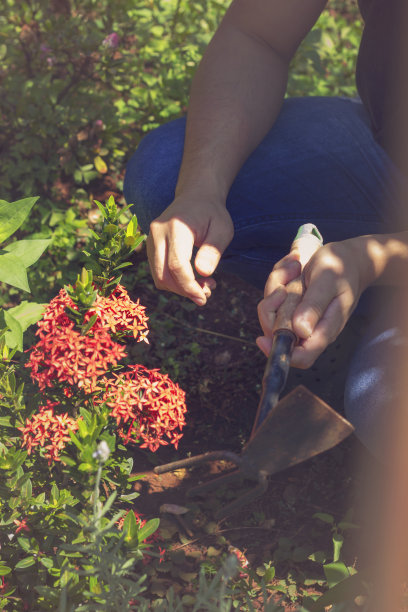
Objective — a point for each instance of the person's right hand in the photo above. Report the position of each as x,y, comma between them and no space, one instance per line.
170,243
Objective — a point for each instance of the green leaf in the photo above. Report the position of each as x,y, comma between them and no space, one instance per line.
27,490
47,562
102,209
27,313
85,467
148,529
13,272
85,328
129,497
326,518
75,440
13,214
335,572
100,165
345,591
18,319
130,527
27,251
14,334
136,477
5,422
337,544
318,556
54,493
24,563
344,525
24,543
4,570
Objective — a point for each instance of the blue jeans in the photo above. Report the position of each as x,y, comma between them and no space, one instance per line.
318,164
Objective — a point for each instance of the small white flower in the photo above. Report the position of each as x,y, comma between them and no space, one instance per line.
102,452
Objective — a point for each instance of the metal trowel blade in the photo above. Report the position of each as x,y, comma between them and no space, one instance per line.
299,427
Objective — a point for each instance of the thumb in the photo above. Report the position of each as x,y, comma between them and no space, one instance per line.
210,252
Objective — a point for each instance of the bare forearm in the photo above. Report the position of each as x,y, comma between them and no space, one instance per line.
384,258
235,98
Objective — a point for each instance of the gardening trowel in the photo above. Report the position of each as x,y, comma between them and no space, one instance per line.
286,431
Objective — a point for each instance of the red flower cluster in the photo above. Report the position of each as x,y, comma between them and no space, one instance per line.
64,354
146,404
48,430
118,313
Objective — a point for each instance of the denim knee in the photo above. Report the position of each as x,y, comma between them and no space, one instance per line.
152,172
372,390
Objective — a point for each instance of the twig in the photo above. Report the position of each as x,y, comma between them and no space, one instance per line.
209,331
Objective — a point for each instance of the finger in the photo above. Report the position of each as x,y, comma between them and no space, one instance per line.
183,281
209,254
265,344
283,272
208,285
325,332
156,255
169,261
268,307
316,299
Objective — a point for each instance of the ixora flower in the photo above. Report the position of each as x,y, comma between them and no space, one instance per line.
120,314
146,404
49,430
64,354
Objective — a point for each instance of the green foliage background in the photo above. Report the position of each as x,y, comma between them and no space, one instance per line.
67,97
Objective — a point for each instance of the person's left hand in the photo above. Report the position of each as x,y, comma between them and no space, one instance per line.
334,278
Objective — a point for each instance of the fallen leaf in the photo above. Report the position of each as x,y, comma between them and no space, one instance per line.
173,509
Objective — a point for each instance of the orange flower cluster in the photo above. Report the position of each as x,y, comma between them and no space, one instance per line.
146,404
63,354
119,313
48,430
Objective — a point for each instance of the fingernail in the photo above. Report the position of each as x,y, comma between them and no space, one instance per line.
200,301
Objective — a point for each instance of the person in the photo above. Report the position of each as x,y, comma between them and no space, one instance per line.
228,187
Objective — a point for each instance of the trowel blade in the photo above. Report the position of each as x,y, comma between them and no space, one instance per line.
299,427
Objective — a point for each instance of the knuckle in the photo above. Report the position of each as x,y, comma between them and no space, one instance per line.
154,227
175,265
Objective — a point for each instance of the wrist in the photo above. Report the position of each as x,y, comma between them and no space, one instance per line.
383,258
199,191
369,256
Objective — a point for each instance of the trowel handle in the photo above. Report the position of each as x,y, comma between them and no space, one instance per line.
308,240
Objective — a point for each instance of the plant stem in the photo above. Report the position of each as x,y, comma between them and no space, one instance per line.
209,331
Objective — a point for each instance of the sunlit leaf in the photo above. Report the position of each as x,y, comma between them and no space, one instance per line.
27,251
13,272
12,215
100,165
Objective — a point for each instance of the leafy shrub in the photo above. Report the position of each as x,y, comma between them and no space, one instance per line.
82,80
57,530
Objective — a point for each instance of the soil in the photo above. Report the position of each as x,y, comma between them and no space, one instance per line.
222,379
